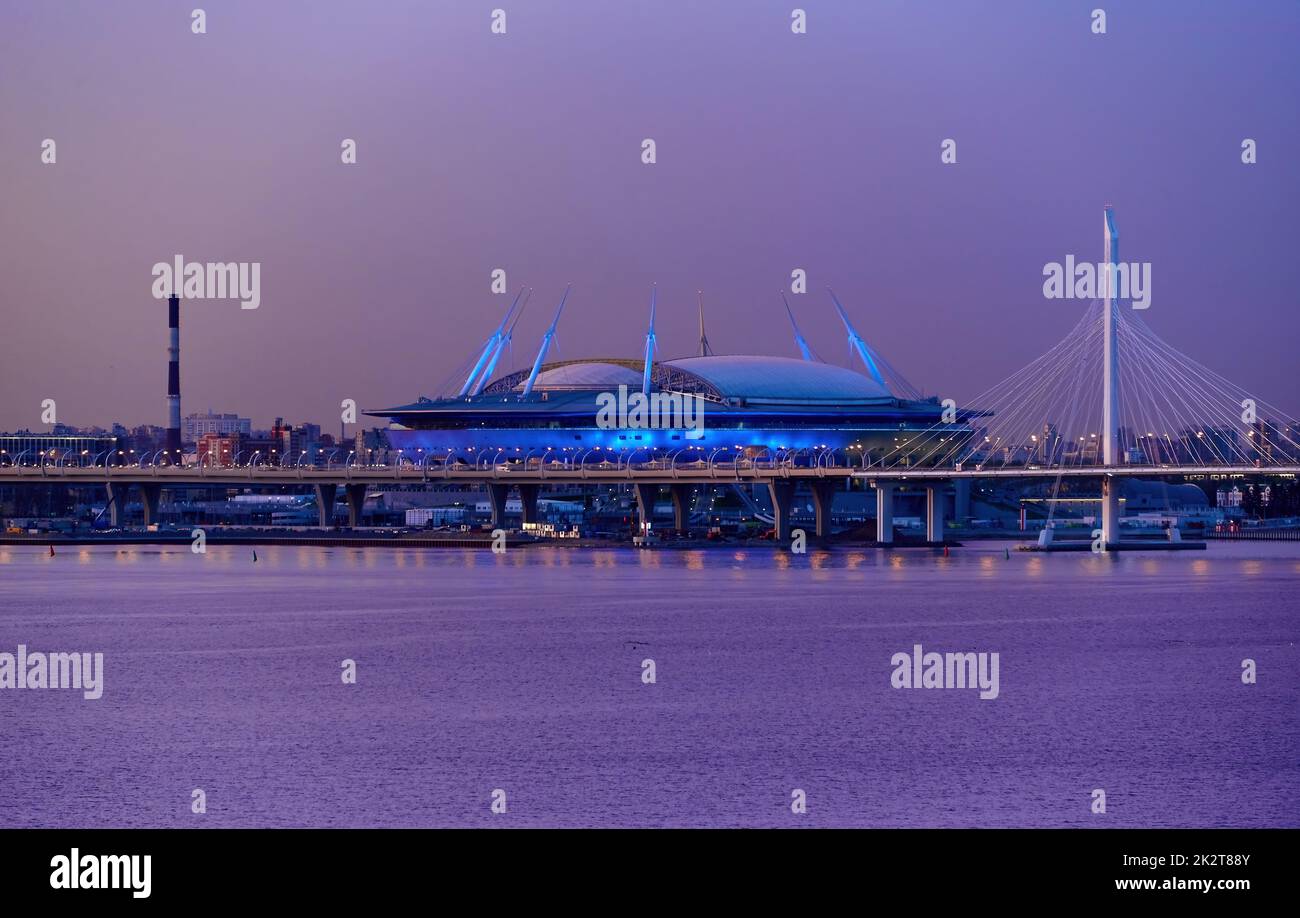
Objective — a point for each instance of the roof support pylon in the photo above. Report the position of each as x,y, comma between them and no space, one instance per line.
488,346
798,337
855,340
546,344
649,344
501,346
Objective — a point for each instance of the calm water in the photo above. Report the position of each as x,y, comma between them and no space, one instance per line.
523,672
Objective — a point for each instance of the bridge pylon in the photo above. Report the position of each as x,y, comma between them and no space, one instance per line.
1110,488
1110,341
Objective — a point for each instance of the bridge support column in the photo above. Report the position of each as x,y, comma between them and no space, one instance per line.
934,497
150,498
356,495
782,494
325,495
961,499
646,495
1110,487
681,495
118,492
823,493
528,502
885,512
497,494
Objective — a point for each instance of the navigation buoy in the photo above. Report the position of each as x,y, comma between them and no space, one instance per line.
945,551
51,551
254,555
1008,553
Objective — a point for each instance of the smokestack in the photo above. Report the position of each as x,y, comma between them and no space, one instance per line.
174,379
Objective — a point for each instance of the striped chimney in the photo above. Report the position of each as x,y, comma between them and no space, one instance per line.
174,378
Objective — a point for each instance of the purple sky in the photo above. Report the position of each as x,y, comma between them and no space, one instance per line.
522,151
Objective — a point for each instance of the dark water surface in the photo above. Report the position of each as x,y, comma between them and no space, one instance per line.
523,672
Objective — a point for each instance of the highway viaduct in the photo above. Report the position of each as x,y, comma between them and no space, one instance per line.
646,480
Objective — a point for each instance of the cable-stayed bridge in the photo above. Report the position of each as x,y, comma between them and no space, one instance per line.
1111,399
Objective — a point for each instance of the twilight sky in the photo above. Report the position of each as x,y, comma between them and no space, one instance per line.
522,151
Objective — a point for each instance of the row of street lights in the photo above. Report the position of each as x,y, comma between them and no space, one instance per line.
573,458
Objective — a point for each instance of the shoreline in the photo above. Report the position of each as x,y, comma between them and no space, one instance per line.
484,540
448,540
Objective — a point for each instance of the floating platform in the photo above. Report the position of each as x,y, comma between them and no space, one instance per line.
1122,545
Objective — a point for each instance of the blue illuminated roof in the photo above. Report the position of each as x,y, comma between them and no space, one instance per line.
780,379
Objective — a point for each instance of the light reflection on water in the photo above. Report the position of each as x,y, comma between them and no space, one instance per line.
522,671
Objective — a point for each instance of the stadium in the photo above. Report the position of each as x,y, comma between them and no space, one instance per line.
781,408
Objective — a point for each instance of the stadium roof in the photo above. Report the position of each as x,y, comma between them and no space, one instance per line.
735,382
747,379
586,375
760,379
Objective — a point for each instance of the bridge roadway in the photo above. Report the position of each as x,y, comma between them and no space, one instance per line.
646,478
